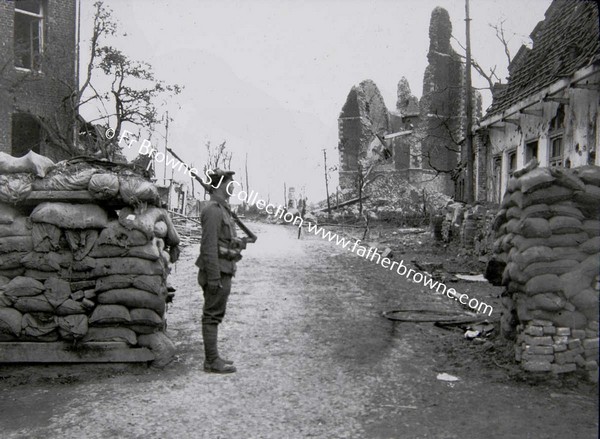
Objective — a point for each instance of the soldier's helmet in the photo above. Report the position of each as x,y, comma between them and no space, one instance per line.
216,175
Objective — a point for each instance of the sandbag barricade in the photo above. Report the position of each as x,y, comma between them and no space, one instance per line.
79,271
547,235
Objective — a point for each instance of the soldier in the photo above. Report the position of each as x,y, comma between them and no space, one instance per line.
219,252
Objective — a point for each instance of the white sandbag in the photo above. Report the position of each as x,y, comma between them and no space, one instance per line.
31,163
21,286
145,219
72,327
11,260
104,186
8,213
10,244
135,190
56,291
21,226
10,321
115,234
143,316
70,216
133,298
46,237
33,304
69,307
110,314
15,188
66,178
161,346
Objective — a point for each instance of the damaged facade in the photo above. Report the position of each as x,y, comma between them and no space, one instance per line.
549,107
423,137
38,71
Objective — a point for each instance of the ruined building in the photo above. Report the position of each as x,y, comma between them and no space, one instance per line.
37,71
423,138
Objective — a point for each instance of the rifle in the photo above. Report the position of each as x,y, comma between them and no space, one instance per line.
250,237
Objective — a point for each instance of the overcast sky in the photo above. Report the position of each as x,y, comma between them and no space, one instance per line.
271,76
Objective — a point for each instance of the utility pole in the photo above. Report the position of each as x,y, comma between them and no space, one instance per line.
285,195
326,182
246,171
166,152
469,198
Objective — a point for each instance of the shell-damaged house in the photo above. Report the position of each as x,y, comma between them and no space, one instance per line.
549,107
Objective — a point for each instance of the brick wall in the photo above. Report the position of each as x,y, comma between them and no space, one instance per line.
39,94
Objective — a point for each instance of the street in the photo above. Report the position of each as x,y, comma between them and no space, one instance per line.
315,358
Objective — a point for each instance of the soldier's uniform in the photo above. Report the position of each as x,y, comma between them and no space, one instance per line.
216,268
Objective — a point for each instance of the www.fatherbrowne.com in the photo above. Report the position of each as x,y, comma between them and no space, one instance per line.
361,251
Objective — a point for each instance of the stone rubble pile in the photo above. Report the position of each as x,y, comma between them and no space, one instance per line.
83,267
548,235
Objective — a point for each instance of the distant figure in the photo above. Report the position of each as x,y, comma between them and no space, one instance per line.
302,215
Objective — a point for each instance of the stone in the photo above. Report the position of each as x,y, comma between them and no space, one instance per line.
590,333
537,366
578,333
591,343
593,376
580,361
518,354
564,368
560,339
593,324
546,340
539,322
574,343
536,357
591,354
537,331
542,350
549,330
591,365
565,357
563,331
560,347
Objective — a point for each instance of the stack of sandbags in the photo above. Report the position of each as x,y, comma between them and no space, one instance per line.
548,234
86,271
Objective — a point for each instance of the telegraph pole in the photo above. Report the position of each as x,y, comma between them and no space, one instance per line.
326,182
469,196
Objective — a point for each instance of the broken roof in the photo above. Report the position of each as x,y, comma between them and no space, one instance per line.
564,42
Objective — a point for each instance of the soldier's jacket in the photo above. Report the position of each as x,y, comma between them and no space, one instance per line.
218,229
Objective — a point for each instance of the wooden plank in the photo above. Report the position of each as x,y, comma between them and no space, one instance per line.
78,196
62,352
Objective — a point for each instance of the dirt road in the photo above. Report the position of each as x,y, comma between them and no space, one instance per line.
315,359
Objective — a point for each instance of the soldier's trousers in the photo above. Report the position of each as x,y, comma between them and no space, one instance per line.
215,304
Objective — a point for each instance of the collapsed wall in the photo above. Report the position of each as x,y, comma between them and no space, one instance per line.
83,254
548,235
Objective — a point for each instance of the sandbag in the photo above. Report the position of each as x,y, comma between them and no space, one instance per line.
569,253
8,214
516,199
3,281
567,179
514,273
160,229
50,261
21,286
81,242
513,225
31,163
161,346
152,284
4,300
12,272
574,282
109,314
142,329
110,334
547,302
586,302
10,321
499,219
108,266
66,178
69,307
56,291
591,227
538,253
569,319
15,188
38,325
567,240
513,184
45,237
135,190
11,260
70,216
544,283
534,228
144,221
507,241
565,224
529,166
566,208
554,267
21,226
536,179
113,282
143,316
550,195
591,246
536,211
590,266
72,327
104,186
147,251
589,174
116,234
10,244
589,197
133,298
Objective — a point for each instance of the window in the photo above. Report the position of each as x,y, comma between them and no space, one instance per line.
26,134
497,178
556,151
512,163
531,150
28,34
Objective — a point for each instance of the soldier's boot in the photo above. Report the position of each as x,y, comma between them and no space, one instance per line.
212,362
